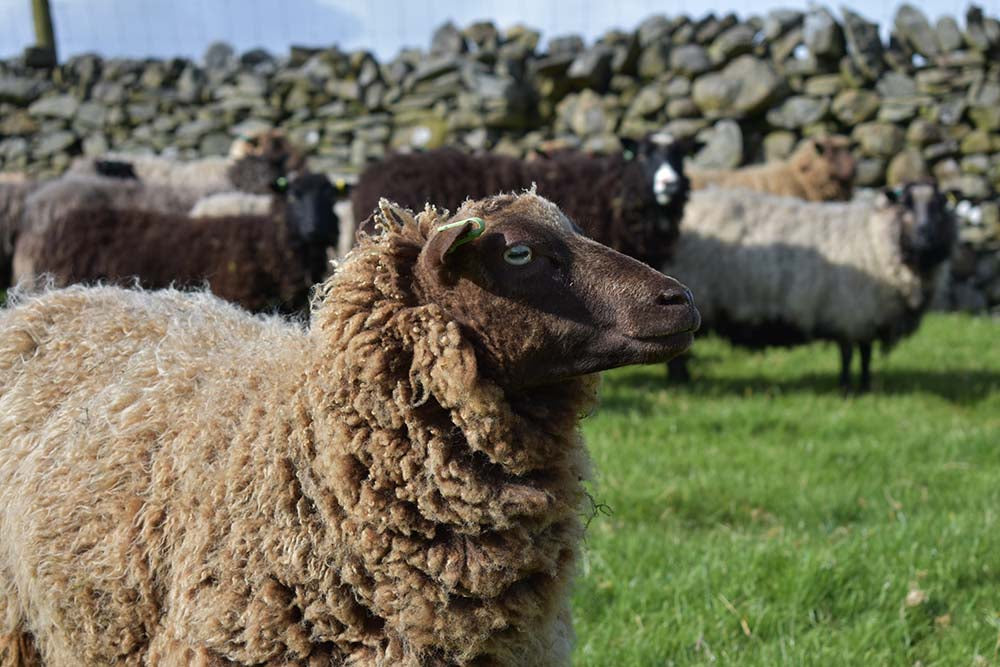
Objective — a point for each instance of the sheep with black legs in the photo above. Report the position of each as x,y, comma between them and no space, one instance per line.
820,169
770,270
261,262
400,484
632,205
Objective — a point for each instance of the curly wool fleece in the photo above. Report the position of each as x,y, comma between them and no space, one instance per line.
182,483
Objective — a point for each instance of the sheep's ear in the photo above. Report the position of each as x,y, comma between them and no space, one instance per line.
447,239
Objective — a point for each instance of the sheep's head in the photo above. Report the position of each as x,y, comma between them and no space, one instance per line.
662,160
826,167
310,200
543,303
927,224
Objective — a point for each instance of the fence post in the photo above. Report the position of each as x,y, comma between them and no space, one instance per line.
45,36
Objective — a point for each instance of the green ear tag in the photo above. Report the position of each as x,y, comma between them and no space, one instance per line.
281,183
471,235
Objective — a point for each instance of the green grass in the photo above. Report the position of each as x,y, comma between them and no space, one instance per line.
757,517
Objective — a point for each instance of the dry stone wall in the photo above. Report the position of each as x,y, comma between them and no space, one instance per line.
924,103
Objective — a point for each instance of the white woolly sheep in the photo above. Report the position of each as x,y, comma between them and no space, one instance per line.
182,483
770,270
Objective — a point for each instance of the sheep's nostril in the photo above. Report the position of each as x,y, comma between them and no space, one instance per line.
677,296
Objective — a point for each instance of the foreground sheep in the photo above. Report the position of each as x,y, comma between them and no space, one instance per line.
632,205
181,483
820,169
261,262
779,271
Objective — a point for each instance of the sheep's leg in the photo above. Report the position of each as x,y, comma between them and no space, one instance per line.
17,649
846,352
677,369
866,361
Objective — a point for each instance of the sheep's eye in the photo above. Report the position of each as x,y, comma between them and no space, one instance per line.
518,255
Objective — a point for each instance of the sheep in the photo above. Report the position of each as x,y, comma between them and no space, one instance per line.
14,195
206,175
820,169
399,484
246,203
773,270
633,206
261,261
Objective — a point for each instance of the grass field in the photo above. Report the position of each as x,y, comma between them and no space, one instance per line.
759,518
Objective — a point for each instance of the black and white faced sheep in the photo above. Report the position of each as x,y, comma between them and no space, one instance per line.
772,270
261,262
632,205
184,484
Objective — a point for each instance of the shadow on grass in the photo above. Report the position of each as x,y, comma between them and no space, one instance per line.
959,386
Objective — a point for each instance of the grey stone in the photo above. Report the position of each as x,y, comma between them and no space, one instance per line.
864,45
977,141
822,34
654,61
91,116
18,123
682,108
896,84
779,21
969,185
57,142
20,90
592,68
650,100
949,36
711,27
911,26
732,42
95,144
690,60
823,85
985,118
869,172
985,93
57,106
744,86
922,132
976,30
976,164
566,45
906,166
779,145
584,114
798,111
654,29
723,146
855,106
879,139
14,150
219,55
447,40
897,111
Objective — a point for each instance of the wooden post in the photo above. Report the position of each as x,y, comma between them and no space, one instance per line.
45,36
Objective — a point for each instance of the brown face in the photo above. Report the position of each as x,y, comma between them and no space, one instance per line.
544,303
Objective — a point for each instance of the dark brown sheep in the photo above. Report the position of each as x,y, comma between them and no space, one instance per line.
632,205
260,262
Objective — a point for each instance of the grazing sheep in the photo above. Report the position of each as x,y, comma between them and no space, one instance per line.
820,169
261,262
779,271
633,206
181,483
206,175
14,195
